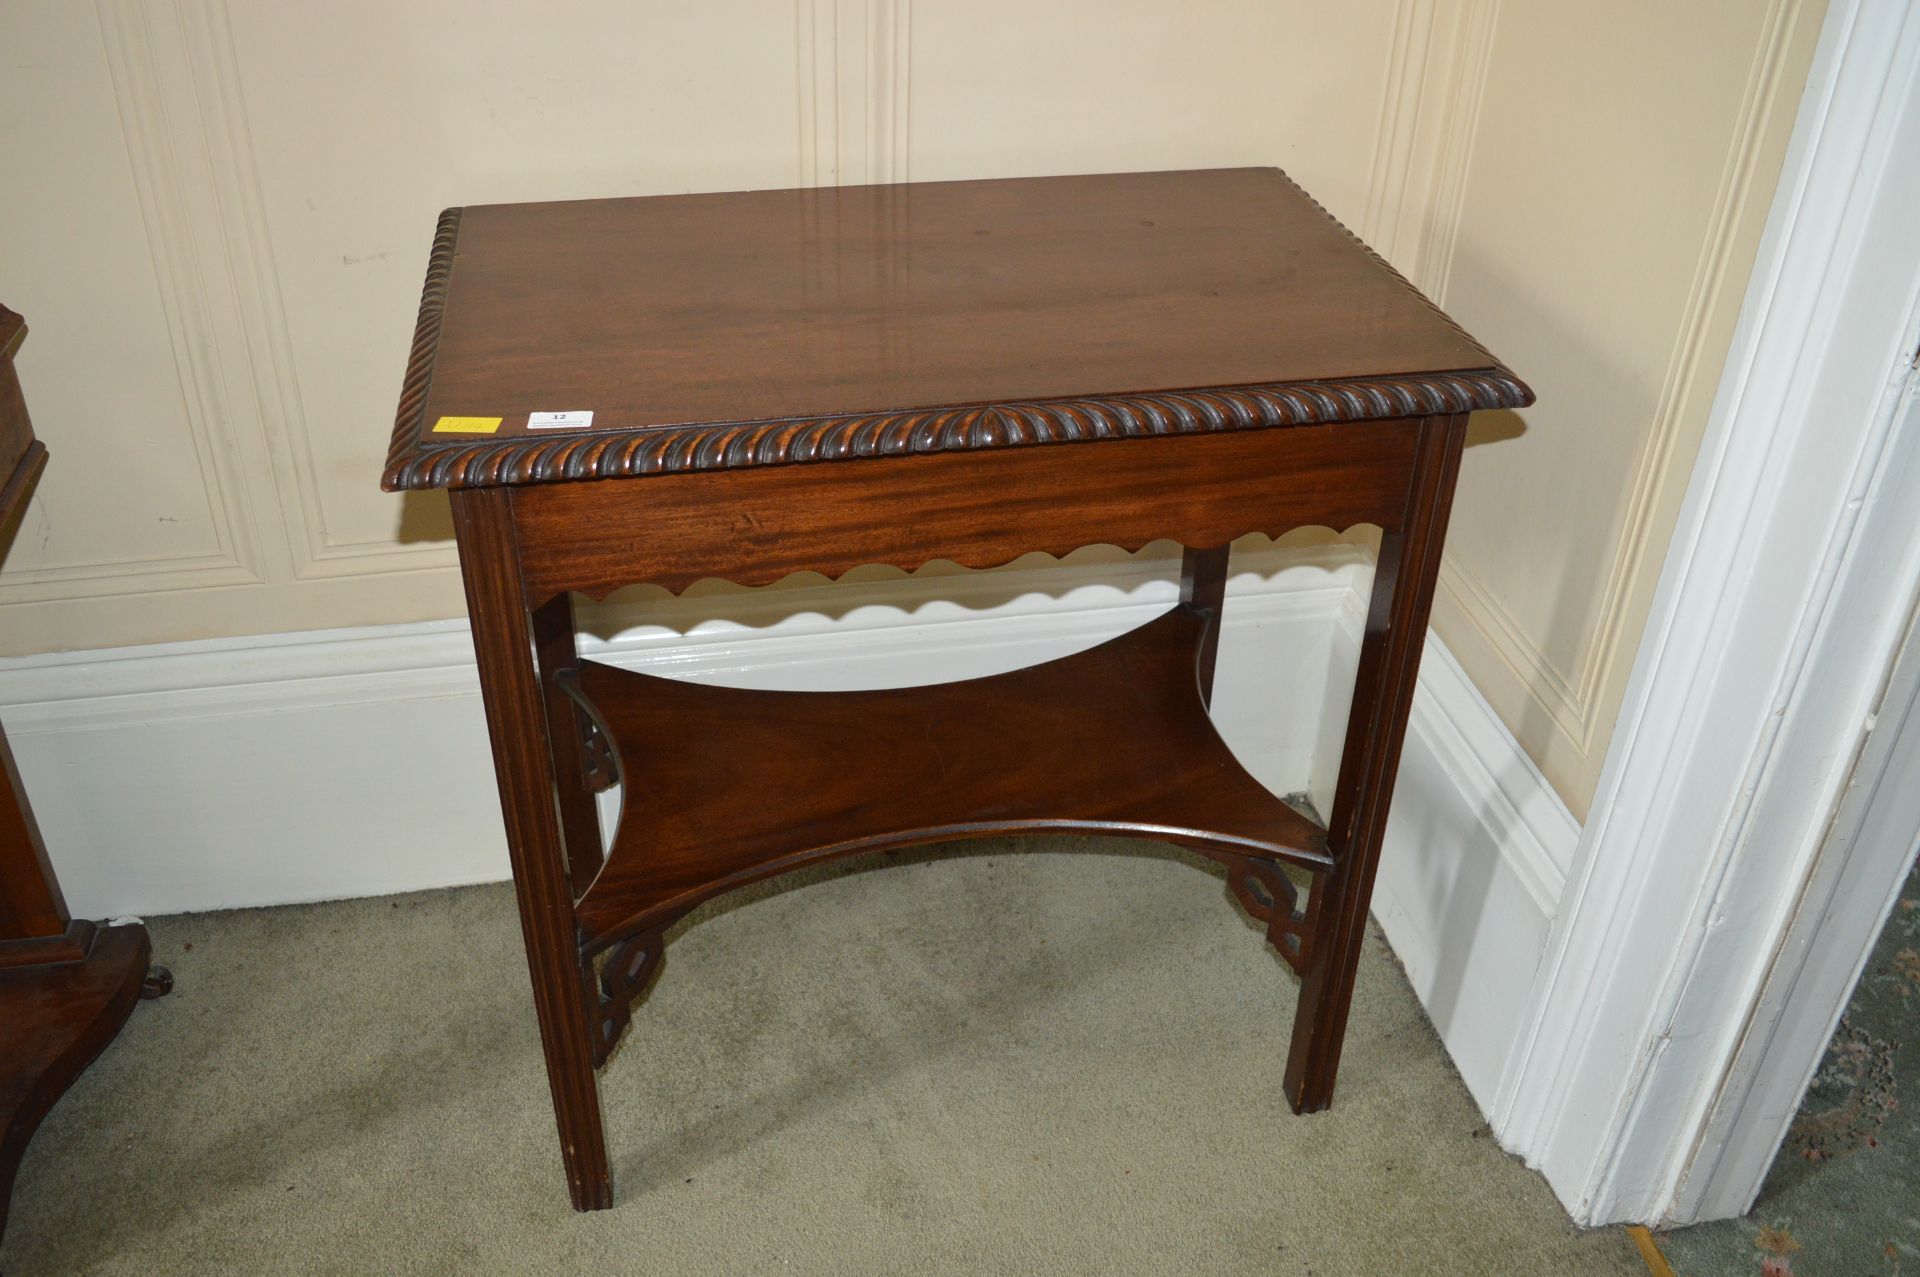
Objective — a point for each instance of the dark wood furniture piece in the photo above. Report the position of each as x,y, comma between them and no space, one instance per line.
816,379
66,985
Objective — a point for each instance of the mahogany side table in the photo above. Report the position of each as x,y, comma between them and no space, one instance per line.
750,385
66,984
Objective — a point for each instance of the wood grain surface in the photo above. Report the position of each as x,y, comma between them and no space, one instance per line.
771,327
730,785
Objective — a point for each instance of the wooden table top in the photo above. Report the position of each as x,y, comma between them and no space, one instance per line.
710,332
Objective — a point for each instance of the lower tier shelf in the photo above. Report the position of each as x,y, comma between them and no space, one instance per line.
723,786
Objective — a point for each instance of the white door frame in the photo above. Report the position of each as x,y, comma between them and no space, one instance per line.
1648,1084
1857,876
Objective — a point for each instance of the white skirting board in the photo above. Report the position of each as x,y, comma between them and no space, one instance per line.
343,763
1477,850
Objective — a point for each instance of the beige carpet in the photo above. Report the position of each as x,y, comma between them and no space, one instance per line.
968,1062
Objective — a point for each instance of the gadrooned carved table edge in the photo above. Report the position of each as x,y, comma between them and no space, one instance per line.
692,448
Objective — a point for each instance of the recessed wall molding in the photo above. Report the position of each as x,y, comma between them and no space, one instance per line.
165,166
1576,701
220,108
852,63
1470,46
1436,76
1393,141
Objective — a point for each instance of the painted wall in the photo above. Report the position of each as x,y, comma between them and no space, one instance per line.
1608,213
216,214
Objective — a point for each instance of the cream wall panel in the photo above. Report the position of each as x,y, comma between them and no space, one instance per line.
1011,87
1435,79
367,118
853,69
1619,172
222,289
92,257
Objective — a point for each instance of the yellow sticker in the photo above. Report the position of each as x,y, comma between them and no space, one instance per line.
466,425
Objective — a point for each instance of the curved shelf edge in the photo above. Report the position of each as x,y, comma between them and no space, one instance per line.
1226,850
726,786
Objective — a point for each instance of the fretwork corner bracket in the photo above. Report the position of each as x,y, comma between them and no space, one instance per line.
1264,891
628,971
